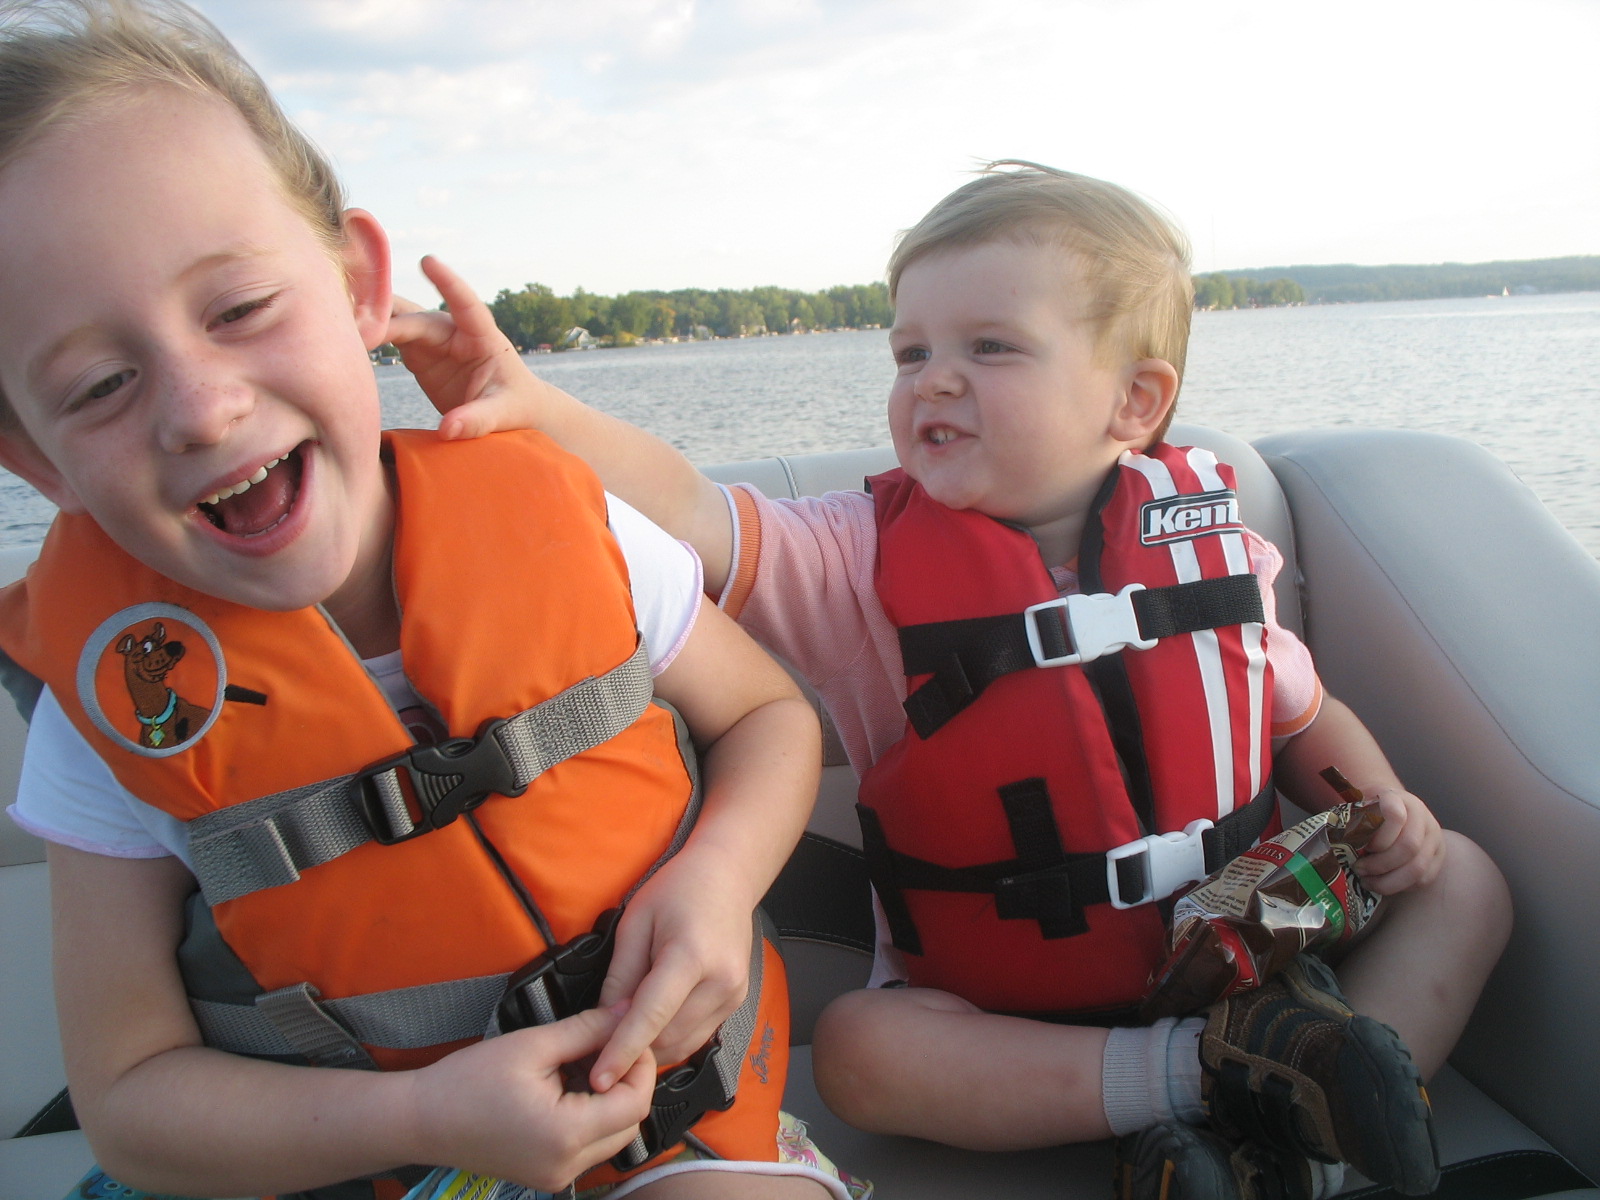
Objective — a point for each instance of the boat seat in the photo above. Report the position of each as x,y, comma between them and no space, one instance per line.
1441,601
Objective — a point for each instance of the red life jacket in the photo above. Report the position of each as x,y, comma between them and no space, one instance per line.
358,921
987,825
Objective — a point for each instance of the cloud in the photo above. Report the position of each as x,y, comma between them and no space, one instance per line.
626,143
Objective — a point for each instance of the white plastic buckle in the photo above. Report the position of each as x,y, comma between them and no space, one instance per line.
1170,861
1098,624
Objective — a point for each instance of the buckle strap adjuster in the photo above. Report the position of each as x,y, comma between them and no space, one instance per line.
446,780
1162,863
681,1097
564,980
1095,623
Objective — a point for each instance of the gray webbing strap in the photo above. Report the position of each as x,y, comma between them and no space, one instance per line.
303,1023
295,1021
269,841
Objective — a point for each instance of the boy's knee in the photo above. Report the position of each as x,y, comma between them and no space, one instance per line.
1473,886
854,1049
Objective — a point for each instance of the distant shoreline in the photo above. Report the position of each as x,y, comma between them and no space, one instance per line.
1347,282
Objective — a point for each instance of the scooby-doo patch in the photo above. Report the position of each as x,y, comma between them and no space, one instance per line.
152,678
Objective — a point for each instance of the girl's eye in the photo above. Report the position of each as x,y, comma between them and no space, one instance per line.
911,354
987,346
107,386
240,311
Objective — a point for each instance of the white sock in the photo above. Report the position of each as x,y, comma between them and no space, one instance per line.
1151,1075
1327,1179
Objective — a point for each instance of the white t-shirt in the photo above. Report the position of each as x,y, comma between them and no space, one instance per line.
68,795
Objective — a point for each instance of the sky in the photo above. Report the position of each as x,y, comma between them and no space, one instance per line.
656,144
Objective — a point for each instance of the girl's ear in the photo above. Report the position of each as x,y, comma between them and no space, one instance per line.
1152,386
23,459
365,257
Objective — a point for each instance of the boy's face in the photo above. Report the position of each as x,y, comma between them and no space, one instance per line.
171,329
999,404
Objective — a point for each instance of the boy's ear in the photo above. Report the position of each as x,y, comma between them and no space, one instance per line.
23,459
1152,386
365,257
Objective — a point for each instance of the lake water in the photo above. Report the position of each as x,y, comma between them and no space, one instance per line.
1520,375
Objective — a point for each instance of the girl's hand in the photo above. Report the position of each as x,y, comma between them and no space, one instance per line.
501,1107
464,364
1408,849
682,960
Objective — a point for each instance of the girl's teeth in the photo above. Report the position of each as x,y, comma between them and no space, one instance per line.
243,485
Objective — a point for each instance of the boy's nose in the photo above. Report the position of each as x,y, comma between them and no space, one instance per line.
200,408
939,380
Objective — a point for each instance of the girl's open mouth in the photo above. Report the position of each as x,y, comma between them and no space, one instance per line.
255,505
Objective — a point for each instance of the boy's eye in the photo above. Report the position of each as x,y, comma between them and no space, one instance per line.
240,311
911,354
989,346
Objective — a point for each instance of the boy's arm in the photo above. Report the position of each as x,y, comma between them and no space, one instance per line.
683,947
167,1114
475,377
1409,849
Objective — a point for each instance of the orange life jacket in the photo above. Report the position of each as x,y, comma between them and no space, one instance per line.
987,825
513,596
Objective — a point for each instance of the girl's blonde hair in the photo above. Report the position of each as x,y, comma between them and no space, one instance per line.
1132,257
62,58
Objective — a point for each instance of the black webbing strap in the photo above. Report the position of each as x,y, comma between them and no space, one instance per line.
1055,888
964,657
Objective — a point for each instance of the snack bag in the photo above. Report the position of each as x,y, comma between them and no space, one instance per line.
447,1183
1293,892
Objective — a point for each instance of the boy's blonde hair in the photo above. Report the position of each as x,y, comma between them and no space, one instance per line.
1134,259
60,59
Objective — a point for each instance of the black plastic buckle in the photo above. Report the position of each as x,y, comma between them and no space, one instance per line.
683,1095
446,780
564,980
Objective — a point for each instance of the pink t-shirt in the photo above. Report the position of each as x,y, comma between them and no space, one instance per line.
803,584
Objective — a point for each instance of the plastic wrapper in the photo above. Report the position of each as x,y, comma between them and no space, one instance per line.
446,1183
1294,892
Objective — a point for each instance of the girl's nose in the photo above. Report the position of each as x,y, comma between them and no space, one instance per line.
202,402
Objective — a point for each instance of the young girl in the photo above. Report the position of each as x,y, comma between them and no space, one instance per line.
401,756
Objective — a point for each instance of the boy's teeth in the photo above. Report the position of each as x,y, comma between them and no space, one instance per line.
244,485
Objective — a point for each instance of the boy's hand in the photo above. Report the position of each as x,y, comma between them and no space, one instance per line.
500,1107
682,958
1408,849
462,361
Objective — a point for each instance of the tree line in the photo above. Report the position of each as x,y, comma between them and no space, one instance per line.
1222,290
1346,282
536,317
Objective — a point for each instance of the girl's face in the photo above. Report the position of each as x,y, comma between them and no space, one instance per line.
185,356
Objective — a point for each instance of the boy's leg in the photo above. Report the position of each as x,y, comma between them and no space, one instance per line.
927,1064
1425,962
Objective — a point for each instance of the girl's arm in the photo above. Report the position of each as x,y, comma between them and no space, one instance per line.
165,1113
1409,849
475,377
683,947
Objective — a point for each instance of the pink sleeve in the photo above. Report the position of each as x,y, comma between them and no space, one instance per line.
802,584
1296,690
